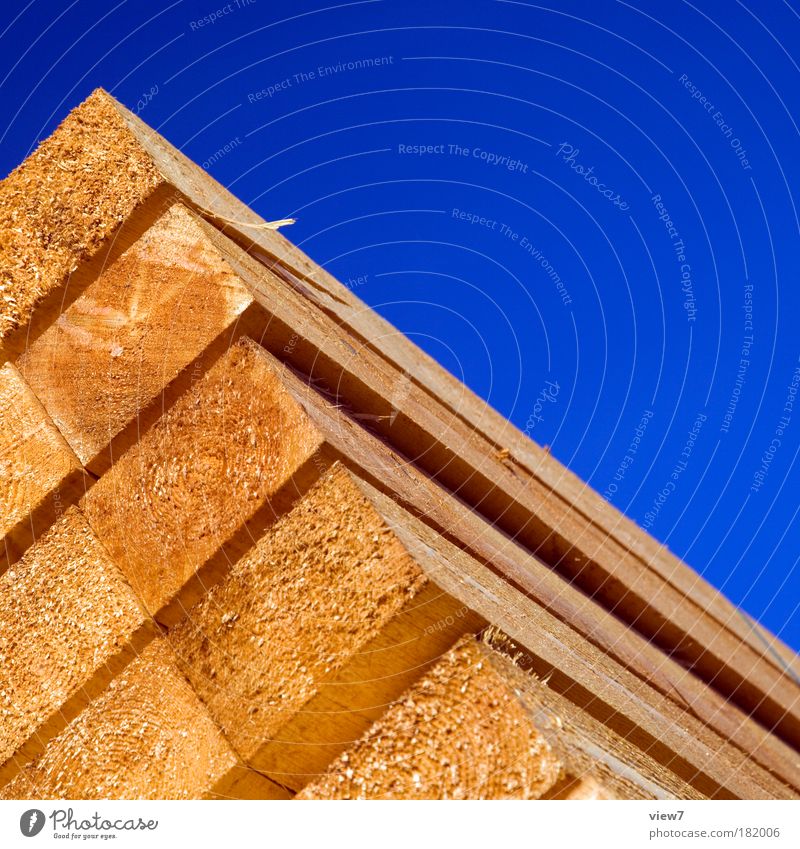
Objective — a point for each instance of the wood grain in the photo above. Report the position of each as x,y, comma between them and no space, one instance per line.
314,632
459,733
68,621
147,736
41,475
366,330
150,314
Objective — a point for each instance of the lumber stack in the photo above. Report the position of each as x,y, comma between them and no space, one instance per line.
238,563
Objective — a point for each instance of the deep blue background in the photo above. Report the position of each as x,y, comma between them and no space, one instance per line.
515,79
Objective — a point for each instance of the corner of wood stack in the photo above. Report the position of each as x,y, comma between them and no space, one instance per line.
238,562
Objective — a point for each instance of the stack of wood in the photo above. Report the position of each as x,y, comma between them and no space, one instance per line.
256,544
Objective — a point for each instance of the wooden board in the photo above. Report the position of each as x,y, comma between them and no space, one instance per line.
603,533
68,623
150,314
314,632
365,327
145,737
393,474
206,468
459,733
352,445
461,459
586,746
192,481
41,475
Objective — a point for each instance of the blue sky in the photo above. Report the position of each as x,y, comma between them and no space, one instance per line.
587,212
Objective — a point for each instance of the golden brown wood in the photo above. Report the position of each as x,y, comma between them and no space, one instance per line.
151,313
586,746
459,733
548,478
234,445
41,475
195,478
461,459
68,621
604,537
146,737
314,632
349,443
352,445
58,207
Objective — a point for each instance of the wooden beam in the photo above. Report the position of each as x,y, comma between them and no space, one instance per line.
222,452
149,314
588,620
396,476
314,632
585,745
63,202
587,676
41,474
349,443
460,458
147,736
541,472
596,531
68,623
459,733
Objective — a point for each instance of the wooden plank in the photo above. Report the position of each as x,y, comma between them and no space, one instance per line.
149,314
584,617
527,460
58,207
68,622
297,332
352,445
41,474
459,733
308,638
592,540
83,158
193,480
147,736
584,674
604,630
602,533
586,746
